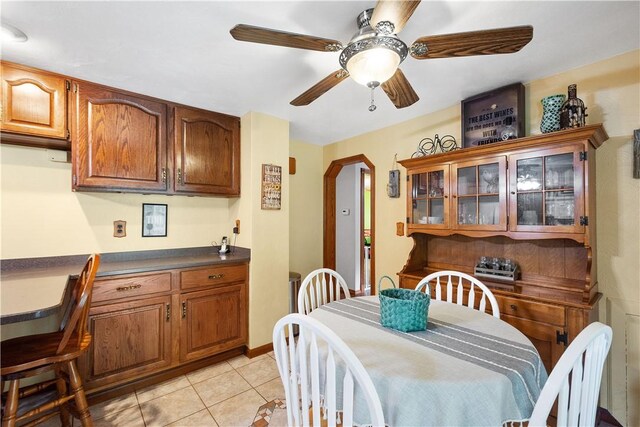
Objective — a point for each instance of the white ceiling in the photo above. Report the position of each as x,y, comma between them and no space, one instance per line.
183,52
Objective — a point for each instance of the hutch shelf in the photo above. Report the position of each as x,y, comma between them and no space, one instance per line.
531,200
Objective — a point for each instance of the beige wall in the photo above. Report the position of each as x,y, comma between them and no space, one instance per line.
611,91
41,216
265,140
305,219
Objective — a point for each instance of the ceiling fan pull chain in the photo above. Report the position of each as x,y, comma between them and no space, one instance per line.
372,85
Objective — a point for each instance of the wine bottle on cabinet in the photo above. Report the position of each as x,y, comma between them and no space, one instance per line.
573,111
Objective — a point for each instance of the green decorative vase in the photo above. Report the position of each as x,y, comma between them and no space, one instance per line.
551,106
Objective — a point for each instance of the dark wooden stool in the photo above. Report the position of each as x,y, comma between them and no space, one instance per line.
31,355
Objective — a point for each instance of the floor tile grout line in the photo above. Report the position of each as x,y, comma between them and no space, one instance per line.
191,384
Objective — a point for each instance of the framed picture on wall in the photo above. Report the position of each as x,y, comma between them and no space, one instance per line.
154,220
493,116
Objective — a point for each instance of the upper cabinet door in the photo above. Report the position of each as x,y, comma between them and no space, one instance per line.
479,194
429,198
207,152
33,102
547,191
119,140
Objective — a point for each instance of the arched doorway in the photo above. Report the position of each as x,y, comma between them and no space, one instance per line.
329,215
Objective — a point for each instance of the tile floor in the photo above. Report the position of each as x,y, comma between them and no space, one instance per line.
226,394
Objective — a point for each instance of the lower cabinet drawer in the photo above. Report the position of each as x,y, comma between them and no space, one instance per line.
535,311
203,277
130,286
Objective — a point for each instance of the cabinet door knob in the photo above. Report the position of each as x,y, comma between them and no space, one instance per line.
513,192
454,196
446,197
514,307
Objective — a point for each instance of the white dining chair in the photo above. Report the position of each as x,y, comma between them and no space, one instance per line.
575,380
449,277
320,287
310,395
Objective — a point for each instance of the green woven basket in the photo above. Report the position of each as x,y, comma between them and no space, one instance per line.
404,309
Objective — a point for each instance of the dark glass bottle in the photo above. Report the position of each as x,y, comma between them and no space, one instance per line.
508,131
573,111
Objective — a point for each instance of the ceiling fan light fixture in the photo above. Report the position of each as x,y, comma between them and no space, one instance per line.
373,65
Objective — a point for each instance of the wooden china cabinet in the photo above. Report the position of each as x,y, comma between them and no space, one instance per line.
531,200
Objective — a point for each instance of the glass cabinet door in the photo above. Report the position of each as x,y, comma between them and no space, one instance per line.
479,192
429,203
546,191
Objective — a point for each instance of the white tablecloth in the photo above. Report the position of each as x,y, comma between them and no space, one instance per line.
467,369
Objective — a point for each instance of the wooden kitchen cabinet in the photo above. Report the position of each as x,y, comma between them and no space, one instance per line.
530,200
34,103
130,338
206,152
119,140
213,320
147,323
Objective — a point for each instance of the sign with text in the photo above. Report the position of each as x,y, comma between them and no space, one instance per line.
271,186
497,115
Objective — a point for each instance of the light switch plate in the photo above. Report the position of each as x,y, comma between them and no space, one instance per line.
119,228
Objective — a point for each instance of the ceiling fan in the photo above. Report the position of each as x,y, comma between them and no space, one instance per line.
374,53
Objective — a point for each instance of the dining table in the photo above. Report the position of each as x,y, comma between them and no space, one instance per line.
467,368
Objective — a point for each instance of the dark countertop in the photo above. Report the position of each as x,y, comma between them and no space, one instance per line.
37,287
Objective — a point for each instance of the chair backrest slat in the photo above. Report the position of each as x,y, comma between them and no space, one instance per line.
319,351
347,398
330,397
484,293
577,398
75,321
320,287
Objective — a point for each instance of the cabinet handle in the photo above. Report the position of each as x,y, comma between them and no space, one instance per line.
164,175
128,288
514,307
184,309
216,276
179,176
168,311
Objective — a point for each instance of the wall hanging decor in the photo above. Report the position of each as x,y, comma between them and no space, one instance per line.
493,116
154,220
551,106
271,187
428,146
393,187
573,111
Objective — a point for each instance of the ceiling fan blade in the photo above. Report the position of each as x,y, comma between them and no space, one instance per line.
397,12
485,42
315,91
399,90
249,33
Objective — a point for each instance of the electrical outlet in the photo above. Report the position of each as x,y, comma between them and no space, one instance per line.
399,228
119,228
